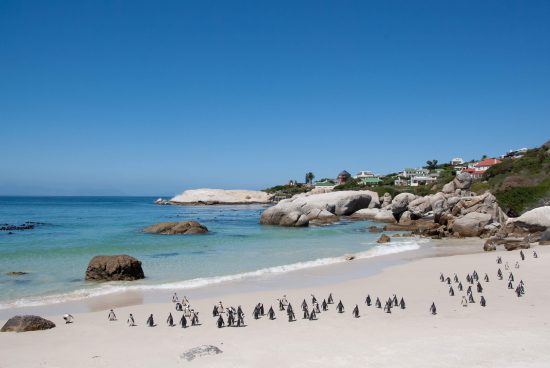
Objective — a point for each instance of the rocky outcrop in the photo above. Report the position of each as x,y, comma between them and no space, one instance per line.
471,224
220,196
383,239
545,237
173,228
461,182
400,203
16,273
386,200
535,220
114,268
27,323
301,209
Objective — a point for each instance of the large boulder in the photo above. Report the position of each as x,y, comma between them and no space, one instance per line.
301,209
386,200
220,196
27,323
383,239
366,214
471,224
385,216
120,267
400,203
461,182
171,228
536,220
420,206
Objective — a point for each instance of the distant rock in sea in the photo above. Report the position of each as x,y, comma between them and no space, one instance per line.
120,267
220,196
173,228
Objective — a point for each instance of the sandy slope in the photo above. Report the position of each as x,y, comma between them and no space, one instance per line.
509,332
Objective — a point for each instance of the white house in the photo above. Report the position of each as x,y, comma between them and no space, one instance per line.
457,161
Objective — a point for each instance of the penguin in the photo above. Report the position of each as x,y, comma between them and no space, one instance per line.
284,300
240,318
486,278
175,298
150,321
179,307
451,291
195,319
377,304
330,300
522,255
312,315
468,278
185,301
271,313
313,299
230,318
511,277
433,309
460,286
340,307
131,321
402,304
499,274
220,322
469,291
183,321
215,311
111,316
316,308
289,308
464,302
304,305
479,288
448,280
387,307
68,318
291,316
499,260
324,305
518,291
506,266
262,312
306,313
356,311
510,286
395,301
221,309
170,320
281,305
482,301
516,265
456,278
368,300
471,299
256,312
535,255
475,275
441,278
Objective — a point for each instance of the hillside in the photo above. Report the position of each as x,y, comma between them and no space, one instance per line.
520,184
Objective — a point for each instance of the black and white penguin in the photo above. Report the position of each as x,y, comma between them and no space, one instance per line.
464,302
304,305
456,278
377,304
170,320
262,312
451,291
479,288
395,301
510,286
183,321
240,317
230,318
469,291
340,307
131,322
271,313
433,309
518,291
289,308
281,306
330,300
316,308
256,312
486,278
441,278
482,301
499,260
535,254
368,300
499,274
306,313
387,307
220,322
460,286
471,298
215,311
448,280
402,303
291,316
516,265
313,299
324,305
312,315
356,311
511,277
150,321
522,255
111,316
179,307
475,276
195,319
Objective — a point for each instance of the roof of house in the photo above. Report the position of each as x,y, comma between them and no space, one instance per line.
344,173
487,162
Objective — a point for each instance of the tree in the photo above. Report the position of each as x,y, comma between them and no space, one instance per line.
309,177
483,157
432,164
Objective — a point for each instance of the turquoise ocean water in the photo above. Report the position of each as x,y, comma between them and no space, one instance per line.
74,229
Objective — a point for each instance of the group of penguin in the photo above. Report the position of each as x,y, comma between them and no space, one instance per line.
235,317
474,279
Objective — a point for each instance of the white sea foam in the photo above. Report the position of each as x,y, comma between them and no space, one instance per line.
110,288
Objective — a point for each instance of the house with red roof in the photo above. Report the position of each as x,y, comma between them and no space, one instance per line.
477,169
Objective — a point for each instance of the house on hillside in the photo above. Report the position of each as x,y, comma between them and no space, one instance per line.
457,161
477,169
410,172
367,178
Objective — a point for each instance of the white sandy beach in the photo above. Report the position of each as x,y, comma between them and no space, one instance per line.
509,332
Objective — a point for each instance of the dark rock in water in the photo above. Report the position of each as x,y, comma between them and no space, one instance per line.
200,351
375,229
384,239
120,267
27,323
16,273
173,228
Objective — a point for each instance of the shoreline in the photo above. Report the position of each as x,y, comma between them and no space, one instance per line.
330,270
508,332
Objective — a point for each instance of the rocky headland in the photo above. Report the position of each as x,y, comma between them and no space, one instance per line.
218,196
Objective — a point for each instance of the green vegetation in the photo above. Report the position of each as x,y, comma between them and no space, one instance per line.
309,177
519,184
287,190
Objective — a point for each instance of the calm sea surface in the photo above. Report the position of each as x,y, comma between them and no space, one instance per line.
74,229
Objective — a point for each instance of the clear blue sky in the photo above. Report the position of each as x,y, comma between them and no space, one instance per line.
153,97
